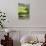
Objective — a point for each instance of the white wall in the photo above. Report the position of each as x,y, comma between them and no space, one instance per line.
37,17
39,13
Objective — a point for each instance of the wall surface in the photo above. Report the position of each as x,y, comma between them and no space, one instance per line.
37,17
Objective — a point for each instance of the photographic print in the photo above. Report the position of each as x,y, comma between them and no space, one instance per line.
23,11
